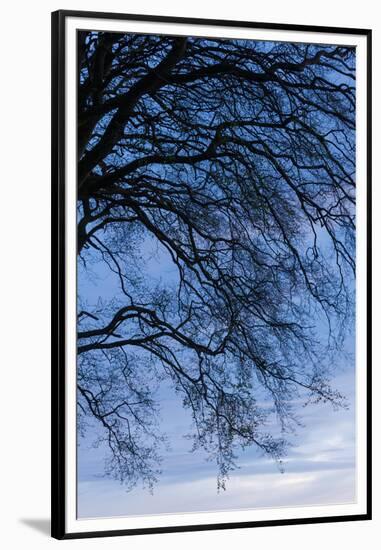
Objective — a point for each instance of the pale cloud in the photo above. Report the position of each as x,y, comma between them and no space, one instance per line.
319,469
101,498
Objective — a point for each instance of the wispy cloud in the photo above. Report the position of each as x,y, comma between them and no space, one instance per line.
319,469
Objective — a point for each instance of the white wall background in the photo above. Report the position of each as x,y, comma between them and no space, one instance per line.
25,273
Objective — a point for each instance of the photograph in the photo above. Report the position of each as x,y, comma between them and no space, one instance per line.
216,275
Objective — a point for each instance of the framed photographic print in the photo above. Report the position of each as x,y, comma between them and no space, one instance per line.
211,274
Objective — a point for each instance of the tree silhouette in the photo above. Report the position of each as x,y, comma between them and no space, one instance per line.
236,160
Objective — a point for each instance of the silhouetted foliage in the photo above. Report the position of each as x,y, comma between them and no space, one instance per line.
236,160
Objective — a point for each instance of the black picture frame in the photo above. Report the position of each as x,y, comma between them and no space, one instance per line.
58,387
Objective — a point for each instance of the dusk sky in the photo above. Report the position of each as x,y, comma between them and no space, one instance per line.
217,258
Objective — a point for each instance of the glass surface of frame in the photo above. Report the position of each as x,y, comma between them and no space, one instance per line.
211,274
